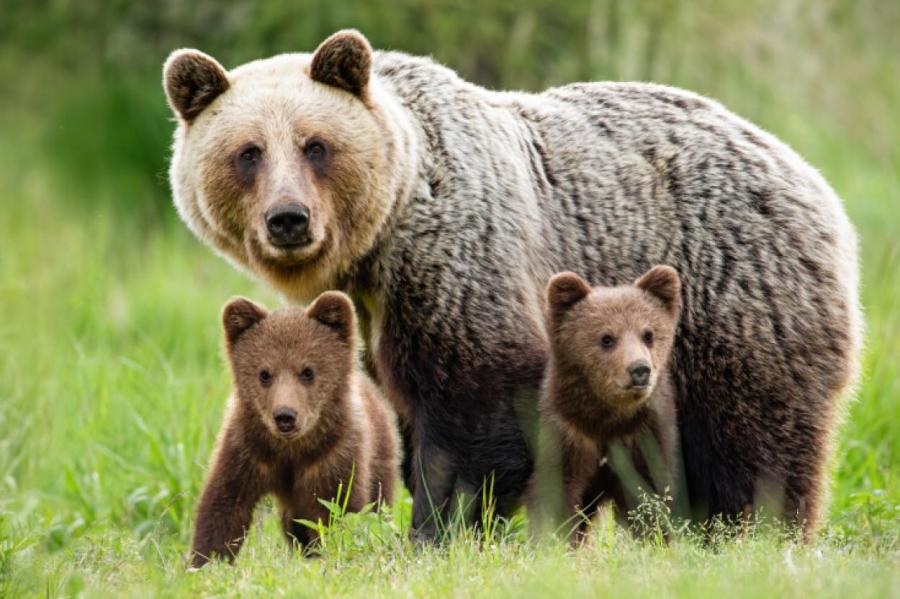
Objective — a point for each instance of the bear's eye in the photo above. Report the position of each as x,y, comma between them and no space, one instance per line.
265,377
607,341
648,337
249,155
307,375
315,150
246,162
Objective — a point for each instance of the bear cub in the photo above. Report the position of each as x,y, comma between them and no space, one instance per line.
301,421
607,391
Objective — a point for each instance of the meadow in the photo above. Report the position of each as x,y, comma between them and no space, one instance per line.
112,380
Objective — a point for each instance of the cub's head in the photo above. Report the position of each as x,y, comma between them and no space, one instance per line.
291,365
618,339
289,166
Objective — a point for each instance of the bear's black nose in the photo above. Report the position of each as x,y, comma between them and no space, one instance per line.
640,373
285,418
288,225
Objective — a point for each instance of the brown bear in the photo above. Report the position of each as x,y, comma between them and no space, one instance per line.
608,387
302,420
442,208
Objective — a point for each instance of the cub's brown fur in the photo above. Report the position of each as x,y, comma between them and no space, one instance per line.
608,385
302,420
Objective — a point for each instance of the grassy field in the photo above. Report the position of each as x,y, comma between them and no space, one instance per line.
112,388
112,382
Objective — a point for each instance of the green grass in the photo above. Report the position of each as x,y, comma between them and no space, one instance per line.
112,383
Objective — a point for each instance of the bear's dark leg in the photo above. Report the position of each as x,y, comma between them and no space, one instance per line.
476,449
434,477
760,453
226,507
297,535
406,465
718,484
462,402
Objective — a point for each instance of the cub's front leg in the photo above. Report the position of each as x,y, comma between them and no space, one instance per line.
231,492
301,502
297,534
580,466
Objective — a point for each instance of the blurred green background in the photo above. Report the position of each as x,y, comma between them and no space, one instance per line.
111,380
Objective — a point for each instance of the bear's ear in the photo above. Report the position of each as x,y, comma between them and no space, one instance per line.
192,80
335,310
663,283
238,315
564,290
344,60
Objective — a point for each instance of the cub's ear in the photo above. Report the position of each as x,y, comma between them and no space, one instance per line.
344,60
238,315
192,80
564,290
663,283
335,310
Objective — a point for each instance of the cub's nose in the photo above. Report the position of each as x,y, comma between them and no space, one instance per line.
288,225
285,419
640,373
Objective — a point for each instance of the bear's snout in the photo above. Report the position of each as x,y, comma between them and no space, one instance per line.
639,371
288,225
285,419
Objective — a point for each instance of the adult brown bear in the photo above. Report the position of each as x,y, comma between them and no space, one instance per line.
442,208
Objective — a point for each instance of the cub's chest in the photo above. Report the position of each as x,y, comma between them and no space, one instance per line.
302,481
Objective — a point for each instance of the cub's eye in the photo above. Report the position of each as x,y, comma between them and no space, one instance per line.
607,341
315,150
648,337
249,155
307,375
265,377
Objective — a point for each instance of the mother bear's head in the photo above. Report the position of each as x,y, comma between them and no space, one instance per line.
289,166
